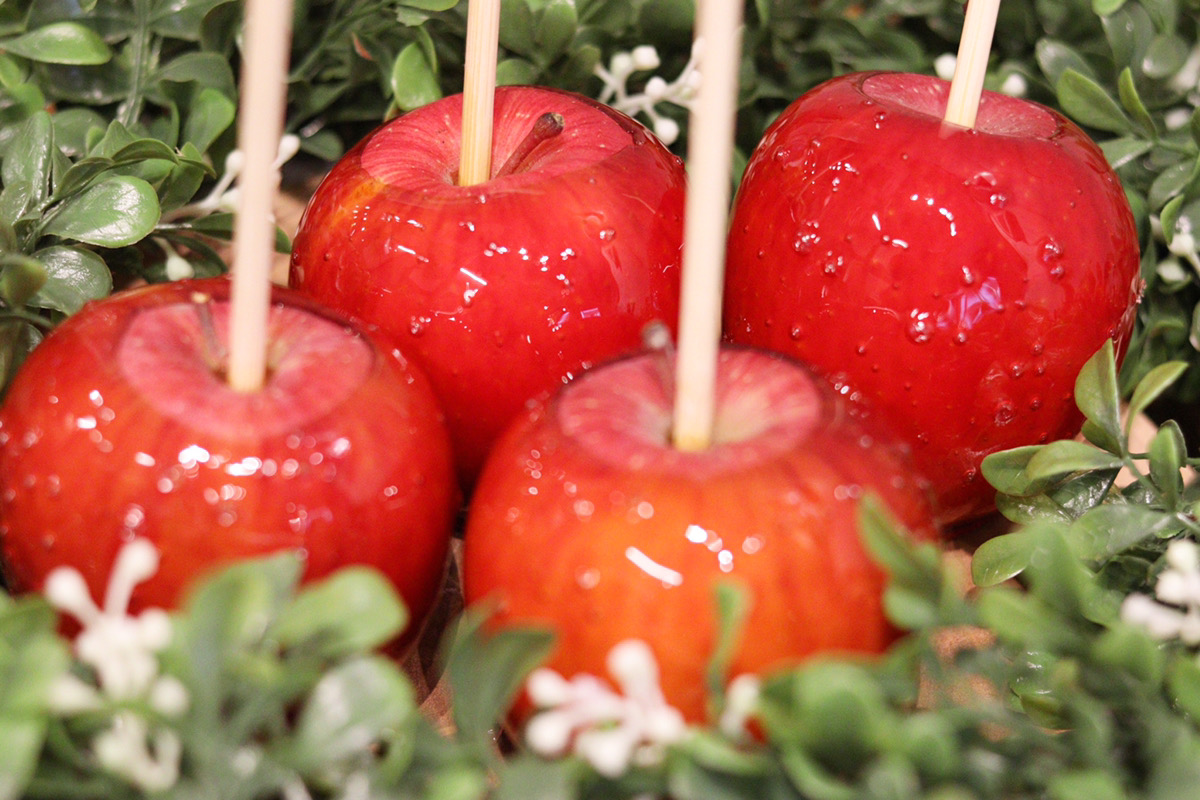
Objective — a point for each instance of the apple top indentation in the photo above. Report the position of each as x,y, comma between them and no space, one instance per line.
174,355
621,412
421,148
999,114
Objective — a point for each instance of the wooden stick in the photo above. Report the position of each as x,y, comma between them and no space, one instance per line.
267,45
710,156
974,47
479,90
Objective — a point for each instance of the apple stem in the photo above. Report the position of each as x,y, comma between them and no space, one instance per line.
970,69
711,126
267,45
214,350
545,127
479,91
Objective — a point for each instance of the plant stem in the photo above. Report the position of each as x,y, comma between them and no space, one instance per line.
140,63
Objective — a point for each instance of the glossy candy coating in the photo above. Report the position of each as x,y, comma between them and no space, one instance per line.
503,290
120,425
587,520
950,281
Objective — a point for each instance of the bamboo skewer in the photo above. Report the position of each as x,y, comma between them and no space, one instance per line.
479,90
974,47
260,127
710,157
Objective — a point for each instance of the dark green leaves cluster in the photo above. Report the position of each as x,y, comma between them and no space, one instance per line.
1120,527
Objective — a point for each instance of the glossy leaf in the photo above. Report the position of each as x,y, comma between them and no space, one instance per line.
211,115
73,276
1109,529
414,83
60,43
1006,471
1103,8
1152,386
116,212
1066,456
1168,453
1125,150
27,164
1088,103
1002,558
1096,392
556,28
1131,101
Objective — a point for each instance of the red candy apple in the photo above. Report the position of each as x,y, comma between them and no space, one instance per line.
120,425
502,290
588,520
952,281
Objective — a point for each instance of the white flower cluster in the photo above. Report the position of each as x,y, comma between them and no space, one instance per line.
613,730
222,197
681,91
1174,611
121,650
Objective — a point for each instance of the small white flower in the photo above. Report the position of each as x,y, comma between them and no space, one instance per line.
1014,85
608,729
1174,611
644,58
944,65
121,650
741,700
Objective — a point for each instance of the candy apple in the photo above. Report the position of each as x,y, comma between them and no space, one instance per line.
587,520
505,289
952,281
120,425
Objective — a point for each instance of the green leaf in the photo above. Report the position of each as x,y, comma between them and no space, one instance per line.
1153,384
20,745
1102,8
1165,56
556,28
353,707
118,211
1066,456
1096,391
1168,454
1132,102
1006,471
210,70
1125,150
413,80
354,610
74,276
432,6
1183,683
211,115
889,547
1086,101
1107,530
27,163
1085,784
60,43
1002,557
732,606
486,670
